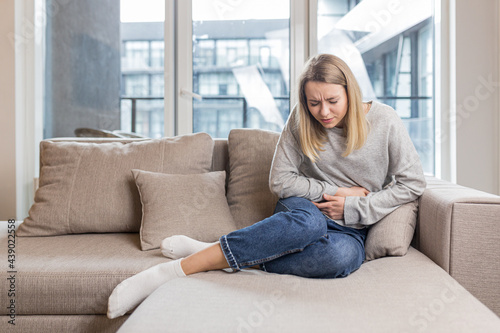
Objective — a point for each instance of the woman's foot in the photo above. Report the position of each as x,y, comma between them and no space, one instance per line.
132,291
179,246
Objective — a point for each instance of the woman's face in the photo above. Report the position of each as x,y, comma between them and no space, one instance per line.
327,103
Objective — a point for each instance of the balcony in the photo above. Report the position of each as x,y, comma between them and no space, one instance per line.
215,115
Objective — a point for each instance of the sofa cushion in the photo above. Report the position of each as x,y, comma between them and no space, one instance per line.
191,205
392,294
251,153
84,184
73,274
392,235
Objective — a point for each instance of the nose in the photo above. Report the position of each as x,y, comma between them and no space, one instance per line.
325,111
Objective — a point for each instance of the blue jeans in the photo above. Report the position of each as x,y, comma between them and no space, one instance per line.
297,239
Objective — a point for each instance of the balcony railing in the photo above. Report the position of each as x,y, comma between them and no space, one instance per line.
140,119
134,109
217,114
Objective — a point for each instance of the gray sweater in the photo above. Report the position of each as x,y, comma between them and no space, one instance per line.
387,165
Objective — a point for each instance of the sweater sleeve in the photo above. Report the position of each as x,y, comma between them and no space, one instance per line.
285,179
409,181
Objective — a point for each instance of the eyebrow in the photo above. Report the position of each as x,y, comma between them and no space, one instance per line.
329,98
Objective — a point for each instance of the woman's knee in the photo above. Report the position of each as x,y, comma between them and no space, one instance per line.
336,259
299,206
303,213
344,261
290,203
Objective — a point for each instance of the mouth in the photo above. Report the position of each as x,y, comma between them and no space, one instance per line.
326,121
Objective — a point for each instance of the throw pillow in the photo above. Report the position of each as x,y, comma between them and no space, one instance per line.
87,187
190,205
251,154
392,235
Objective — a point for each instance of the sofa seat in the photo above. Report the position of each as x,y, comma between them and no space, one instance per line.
72,274
392,294
78,273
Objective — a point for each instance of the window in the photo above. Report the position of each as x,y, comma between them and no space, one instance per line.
107,71
240,65
389,46
95,70
142,67
136,55
104,70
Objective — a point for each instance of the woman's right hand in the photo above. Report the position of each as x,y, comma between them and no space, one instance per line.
355,191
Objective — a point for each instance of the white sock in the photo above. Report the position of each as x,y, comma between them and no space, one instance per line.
132,291
180,246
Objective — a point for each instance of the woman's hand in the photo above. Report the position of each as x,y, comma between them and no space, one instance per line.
355,191
333,206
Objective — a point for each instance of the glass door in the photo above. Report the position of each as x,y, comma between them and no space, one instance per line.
142,67
389,46
240,65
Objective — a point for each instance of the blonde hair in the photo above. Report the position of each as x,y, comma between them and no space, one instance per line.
330,69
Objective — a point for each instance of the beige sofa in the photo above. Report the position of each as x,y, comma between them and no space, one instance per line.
448,281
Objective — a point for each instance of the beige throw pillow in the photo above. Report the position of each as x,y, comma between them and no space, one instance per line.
392,235
251,154
190,205
88,187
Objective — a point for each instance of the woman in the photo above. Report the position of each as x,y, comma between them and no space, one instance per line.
340,165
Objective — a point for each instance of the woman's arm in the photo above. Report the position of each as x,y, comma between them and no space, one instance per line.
405,168
403,165
360,208
409,185
285,179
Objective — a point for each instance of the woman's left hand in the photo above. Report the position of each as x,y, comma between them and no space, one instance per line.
333,206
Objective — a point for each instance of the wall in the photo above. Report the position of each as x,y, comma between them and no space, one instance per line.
477,94
7,113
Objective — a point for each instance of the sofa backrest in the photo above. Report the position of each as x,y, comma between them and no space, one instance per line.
246,157
220,159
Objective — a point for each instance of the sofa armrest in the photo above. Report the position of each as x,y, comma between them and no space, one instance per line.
459,229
